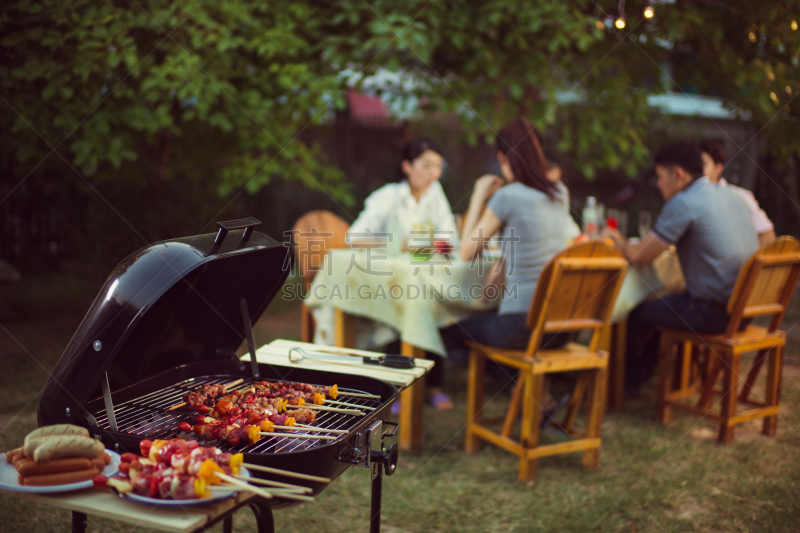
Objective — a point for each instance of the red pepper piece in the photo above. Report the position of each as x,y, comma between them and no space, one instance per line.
145,446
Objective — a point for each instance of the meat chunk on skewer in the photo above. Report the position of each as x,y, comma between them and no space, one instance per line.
205,395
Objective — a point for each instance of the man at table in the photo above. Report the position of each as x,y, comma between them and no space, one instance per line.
713,162
713,240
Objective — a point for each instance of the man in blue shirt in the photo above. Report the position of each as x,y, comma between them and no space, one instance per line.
713,234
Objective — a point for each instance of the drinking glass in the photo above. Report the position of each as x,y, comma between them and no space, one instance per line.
645,221
601,217
622,223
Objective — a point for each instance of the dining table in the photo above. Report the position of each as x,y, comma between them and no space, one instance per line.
409,296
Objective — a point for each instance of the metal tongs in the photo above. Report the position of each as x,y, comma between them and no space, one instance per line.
297,354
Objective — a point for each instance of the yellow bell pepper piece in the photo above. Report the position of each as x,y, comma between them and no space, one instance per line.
282,405
208,472
236,460
266,425
319,399
333,392
253,433
200,488
300,401
290,421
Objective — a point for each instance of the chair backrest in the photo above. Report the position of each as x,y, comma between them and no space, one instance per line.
576,290
315,233
765,284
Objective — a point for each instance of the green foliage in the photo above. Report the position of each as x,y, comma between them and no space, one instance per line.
130,84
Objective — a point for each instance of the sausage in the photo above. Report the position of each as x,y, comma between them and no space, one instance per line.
29,467
106,459
10,455
47,448
57,429
31,444
99,463
60,479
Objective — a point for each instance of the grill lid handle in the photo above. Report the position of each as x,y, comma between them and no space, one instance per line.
224,227
248,330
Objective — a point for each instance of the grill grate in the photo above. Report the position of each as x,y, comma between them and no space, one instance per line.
149,416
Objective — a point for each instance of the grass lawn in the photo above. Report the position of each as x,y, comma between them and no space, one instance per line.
651,478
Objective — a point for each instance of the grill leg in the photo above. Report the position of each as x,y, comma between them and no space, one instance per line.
79,521
263,514
375,510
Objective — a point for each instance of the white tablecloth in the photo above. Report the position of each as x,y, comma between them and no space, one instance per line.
404,296
642,282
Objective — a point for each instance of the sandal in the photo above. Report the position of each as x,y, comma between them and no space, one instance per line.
441,402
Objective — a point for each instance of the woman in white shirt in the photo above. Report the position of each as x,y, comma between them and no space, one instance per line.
416,202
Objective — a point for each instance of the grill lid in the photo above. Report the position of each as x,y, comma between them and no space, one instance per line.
170,303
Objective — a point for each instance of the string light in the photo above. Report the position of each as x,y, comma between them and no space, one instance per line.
649,12
620,22
794,25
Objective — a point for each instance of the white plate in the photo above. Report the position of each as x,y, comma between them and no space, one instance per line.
8,477
216,496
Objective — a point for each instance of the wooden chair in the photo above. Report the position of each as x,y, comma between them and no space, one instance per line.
315,233
576,290
764,288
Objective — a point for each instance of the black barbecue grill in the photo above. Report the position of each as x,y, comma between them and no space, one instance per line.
168,320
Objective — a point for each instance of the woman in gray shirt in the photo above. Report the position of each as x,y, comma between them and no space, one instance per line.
533,214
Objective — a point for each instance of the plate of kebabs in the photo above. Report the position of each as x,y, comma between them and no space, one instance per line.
59,458
178,473
182,473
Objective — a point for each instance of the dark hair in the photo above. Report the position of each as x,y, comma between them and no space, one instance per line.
519,143
681,154
412,150
715,150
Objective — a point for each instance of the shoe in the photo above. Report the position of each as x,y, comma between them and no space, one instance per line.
549,416
441,402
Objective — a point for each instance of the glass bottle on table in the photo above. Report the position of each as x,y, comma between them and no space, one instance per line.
589,217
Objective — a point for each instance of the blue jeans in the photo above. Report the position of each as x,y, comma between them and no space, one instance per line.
492,329
680,311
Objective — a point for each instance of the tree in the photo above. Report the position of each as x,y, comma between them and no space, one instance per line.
121,89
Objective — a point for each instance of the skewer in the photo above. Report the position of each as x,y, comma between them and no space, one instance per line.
290,495
245,486
309,428
272,494
296,436
227,385
314,428
334,402
278,484
332,409
287,473
315,406
359,395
